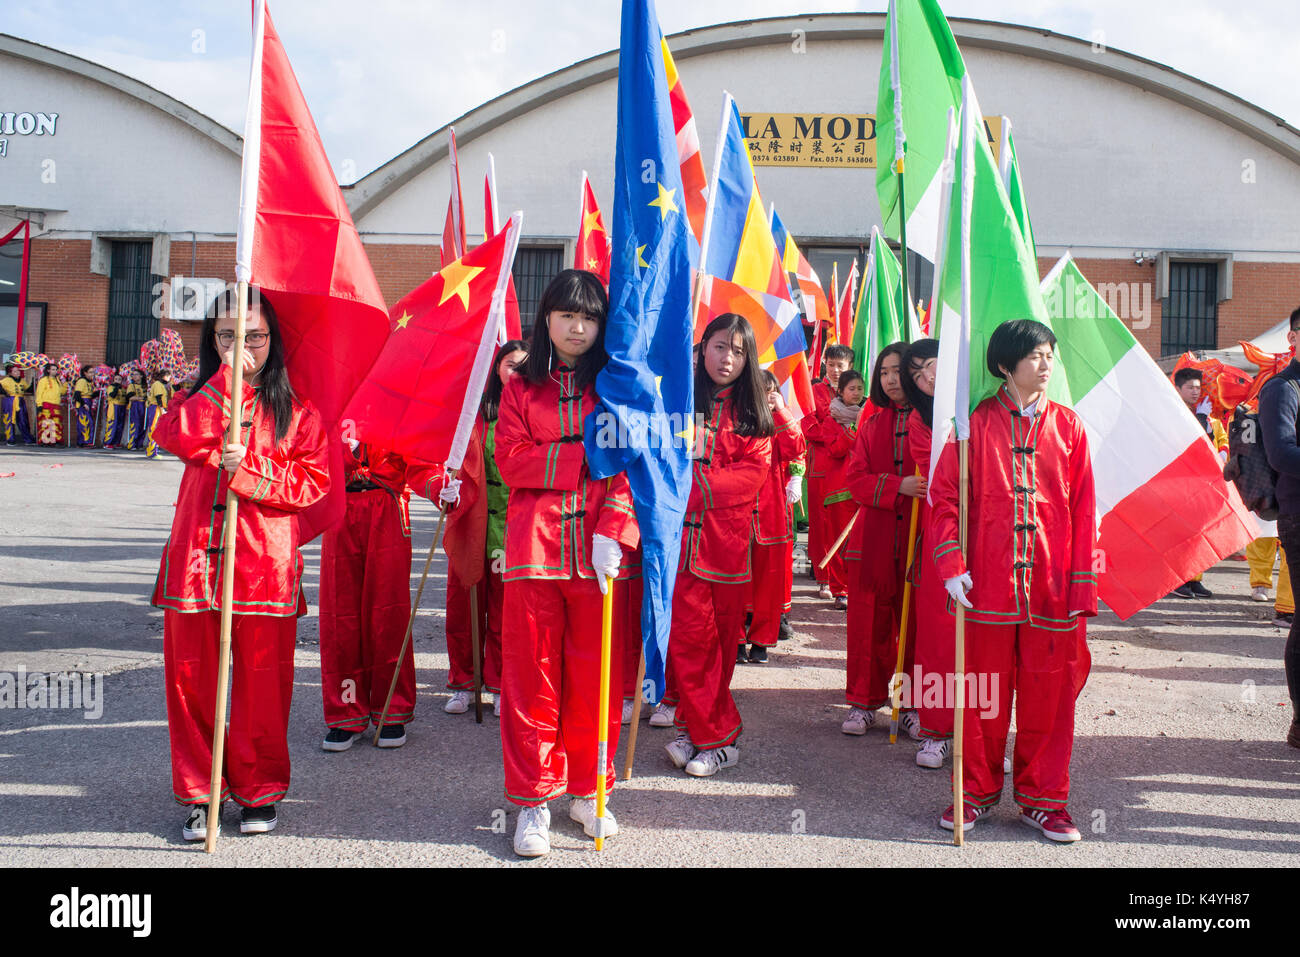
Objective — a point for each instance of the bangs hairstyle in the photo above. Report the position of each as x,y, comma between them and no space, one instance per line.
847,378
1013,341
877,393
838,351
769,380
491,404
1184,375
573,290
273,381
748,396
914,357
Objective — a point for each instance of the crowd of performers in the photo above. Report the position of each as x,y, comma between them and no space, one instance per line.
533,541
120,414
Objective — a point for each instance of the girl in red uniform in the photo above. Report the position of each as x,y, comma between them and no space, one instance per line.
880,475
838,359
733,460
839,431
565,534
476,524
774,527
279,467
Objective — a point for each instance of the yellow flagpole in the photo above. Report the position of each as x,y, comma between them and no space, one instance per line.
896,691
602,712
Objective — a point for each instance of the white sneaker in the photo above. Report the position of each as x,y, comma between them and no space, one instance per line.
933,752
459,702
533,831
1260,593
710,762
583,810
680,750
663,716
496,705
910,722
628,704
858,721
825,593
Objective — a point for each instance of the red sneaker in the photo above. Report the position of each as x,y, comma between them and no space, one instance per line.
1055,825
970,814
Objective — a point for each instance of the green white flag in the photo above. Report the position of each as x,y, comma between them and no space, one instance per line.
883,316
1009,167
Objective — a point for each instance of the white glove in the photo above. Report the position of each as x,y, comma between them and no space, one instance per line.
352,445
794,489
958,587
450,493
606,556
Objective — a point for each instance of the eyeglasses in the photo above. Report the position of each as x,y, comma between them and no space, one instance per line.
254,339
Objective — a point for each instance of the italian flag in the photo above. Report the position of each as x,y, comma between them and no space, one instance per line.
1165,511
883,318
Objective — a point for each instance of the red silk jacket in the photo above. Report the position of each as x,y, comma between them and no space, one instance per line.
812,425
725,480
1032,522
774,519
880,460
274,481
555,506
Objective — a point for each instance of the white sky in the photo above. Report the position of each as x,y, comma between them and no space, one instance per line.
379,75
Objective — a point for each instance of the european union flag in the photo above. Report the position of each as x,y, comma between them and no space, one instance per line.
644,422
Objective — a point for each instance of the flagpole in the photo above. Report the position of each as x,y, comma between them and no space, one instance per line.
959,659
410,624
709,206
475,636
896,692
900,143
638,698
602,711
582,213
231,520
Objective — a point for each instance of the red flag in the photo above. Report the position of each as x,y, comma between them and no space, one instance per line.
592,251
422,395
512,328
454,245
297,242
844,308
795,382
26,227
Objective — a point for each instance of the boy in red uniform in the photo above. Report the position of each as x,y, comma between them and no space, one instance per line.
840,431
838,359
1027,580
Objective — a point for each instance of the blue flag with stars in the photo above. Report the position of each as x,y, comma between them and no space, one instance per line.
644,423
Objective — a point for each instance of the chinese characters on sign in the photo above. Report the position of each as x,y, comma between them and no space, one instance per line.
824,139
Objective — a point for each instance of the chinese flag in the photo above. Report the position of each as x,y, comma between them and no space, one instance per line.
453,229
512,328
422,395
592,252
296,241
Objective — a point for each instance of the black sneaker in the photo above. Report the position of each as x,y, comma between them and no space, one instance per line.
392,736
1199,590
1293,735
741,657
1182,591
195,827
257,820
786,631
339,739
1283,618
757,655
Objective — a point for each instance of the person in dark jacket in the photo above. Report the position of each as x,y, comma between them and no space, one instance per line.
1279,405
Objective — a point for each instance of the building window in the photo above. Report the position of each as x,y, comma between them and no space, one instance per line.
535,267
823,259
1190,319
11,272
131,322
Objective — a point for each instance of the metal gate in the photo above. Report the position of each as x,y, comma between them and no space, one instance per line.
131,321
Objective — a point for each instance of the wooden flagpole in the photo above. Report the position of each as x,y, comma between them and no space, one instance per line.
959,669
896,691
475,636
839,542
230,521
410,624
637,699
602,711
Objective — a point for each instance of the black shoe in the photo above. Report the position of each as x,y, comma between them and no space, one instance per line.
741,657
195,827
392,736
786,631
757,655
1199,590
257,820
1182,591
1283,618
801,526
1293,736
339,739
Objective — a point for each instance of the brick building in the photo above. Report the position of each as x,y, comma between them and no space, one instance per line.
1180,201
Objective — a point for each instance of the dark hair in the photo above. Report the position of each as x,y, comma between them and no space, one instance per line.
878,397
838,351
274,377
748,398
847,377
1013,341
11,366
491,404
573,290
86,370
915,356
45,369
1295,319
769,380
1185,375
